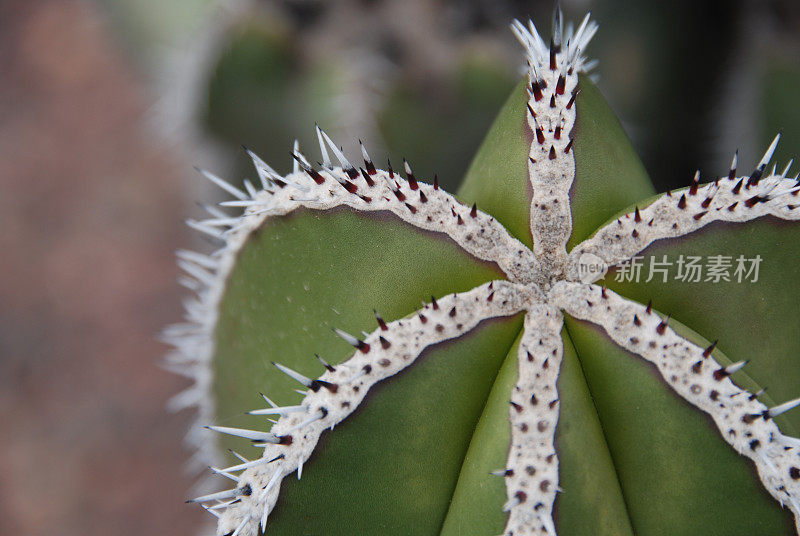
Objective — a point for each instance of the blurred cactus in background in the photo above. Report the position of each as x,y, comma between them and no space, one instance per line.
419,79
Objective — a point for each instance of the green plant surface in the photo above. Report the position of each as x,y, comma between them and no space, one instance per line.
677,474
634,458
593,505
414,432
608,174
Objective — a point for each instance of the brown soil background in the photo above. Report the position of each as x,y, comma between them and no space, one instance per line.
90,210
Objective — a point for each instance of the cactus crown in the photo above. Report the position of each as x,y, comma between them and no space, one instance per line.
541,283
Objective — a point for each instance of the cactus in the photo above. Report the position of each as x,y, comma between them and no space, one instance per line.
514,401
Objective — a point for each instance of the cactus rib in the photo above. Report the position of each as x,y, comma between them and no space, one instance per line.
541,283
293,438
532,474
675,214
744,422
551,163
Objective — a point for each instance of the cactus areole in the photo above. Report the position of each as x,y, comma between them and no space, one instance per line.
502,429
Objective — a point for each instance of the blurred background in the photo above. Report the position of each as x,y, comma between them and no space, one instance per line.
105,105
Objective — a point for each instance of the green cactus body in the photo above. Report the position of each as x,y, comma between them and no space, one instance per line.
516,400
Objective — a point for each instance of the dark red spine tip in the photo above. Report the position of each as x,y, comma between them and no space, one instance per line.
319,179
317,384
328,366
662,326
750,203
381,322
561,84
412,181
755,177
572,99
682,202
474,211
367,178
552,154
536,88
349,186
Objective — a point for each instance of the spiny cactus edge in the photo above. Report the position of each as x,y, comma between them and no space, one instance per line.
542,283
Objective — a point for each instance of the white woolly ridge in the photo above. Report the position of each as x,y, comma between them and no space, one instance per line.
744,422
541,283
730,198
552,84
